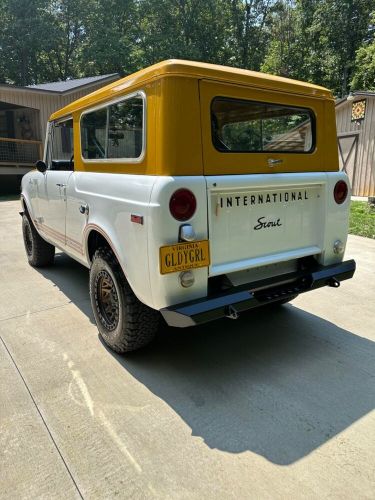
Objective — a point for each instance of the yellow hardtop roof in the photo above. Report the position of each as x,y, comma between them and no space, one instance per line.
195,70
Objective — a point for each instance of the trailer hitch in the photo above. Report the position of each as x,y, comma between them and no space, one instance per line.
334,282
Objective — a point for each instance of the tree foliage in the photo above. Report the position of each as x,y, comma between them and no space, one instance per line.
364,73
328,42
317,40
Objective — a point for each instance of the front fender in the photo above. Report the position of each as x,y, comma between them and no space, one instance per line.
28,194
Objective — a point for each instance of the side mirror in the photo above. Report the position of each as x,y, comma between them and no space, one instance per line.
41,166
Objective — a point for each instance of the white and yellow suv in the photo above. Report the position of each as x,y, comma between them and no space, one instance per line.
191,190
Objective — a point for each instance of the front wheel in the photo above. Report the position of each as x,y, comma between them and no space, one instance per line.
39,252
124,323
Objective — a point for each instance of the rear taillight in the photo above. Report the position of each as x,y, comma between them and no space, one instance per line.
182,204
340,192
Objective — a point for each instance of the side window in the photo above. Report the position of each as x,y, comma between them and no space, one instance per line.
60,146
114,132
93,134
125,129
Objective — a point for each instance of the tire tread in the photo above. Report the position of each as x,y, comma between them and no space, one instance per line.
43,253
140,321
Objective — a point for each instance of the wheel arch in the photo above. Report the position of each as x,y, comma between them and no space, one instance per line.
25,205
95,237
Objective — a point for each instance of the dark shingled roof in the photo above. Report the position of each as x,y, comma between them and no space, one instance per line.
68,85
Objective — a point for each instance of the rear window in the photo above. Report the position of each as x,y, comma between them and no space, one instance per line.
244,126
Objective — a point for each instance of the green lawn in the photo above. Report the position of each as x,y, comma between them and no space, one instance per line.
362,219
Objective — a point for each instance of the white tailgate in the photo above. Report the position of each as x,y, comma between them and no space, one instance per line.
261,219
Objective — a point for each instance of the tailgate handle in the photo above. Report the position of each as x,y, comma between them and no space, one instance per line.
273,161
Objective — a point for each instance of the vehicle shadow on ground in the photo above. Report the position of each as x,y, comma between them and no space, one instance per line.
72,278
279,382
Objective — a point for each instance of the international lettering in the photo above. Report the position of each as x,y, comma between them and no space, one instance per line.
263,199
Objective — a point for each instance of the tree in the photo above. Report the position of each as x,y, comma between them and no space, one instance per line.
364,74
321,41
186,29
112,37
345,24
250,20
283,55
317,41
65,38
21,39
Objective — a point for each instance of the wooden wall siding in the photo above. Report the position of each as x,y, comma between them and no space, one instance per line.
46,103
364,181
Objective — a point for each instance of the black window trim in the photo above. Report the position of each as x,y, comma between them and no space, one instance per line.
273,151
58,165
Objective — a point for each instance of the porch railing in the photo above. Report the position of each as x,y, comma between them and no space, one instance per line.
20,151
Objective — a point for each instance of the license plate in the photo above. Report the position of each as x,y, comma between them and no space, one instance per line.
183,256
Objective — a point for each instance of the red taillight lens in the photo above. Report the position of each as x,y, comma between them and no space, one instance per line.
182,204
340,192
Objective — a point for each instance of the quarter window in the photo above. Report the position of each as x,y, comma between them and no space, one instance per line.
60,146
114,132
249,126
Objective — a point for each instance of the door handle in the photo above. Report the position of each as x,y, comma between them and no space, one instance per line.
61,185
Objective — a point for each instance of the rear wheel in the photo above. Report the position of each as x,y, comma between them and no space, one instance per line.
39,252
124,323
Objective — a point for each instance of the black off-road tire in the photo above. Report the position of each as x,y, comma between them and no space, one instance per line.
39,252
124,322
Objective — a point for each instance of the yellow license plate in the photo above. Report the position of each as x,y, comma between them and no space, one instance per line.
183,256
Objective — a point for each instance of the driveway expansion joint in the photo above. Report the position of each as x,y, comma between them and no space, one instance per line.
34,312
41,416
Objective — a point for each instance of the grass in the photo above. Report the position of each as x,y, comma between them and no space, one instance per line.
362,219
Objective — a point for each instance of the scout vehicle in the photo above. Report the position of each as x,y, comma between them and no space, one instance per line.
191,191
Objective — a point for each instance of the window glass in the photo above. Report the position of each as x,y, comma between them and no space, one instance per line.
60,149
93,134
125,129
114,132
249,126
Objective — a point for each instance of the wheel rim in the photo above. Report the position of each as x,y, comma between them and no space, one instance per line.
28,239
106,298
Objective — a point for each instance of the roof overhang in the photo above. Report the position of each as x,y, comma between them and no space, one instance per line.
352,96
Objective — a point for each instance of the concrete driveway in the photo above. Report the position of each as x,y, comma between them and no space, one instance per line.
275,405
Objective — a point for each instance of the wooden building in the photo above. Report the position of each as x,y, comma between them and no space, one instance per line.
355,119
24,112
